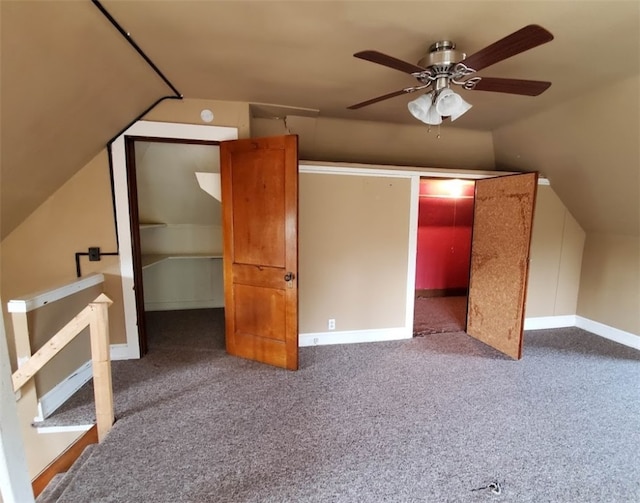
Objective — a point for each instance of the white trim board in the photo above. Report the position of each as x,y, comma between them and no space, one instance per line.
339,168
119,352
611,333
538,323
354,336
62,391
594,327
33,301
64,429
147,129
542,322
412,256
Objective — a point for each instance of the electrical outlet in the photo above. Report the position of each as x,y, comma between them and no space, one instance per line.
94,254
331,325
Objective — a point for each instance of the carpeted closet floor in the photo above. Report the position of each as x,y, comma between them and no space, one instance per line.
436,315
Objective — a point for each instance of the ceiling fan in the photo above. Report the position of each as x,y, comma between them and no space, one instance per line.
444,66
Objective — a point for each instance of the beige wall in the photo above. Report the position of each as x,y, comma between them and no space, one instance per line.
95,84
588,147
610,281
342,235
353,250
354,241
40,252
557,243
187,111
341,140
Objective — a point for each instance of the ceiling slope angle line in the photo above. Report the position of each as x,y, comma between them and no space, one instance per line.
86,69
444,66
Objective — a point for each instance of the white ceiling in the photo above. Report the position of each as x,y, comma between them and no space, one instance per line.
300,54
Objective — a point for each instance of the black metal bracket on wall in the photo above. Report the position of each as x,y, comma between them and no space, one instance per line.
94,255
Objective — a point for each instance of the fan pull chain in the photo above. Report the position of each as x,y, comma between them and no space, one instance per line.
438,131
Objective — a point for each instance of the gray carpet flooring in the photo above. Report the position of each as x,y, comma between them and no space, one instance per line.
432,419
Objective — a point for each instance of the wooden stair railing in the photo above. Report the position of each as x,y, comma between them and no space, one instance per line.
96,317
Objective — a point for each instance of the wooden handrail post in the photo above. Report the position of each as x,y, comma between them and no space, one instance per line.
99,331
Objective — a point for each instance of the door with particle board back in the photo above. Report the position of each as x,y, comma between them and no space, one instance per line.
259,180
502,223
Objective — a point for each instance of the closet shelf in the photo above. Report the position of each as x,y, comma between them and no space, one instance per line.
152,259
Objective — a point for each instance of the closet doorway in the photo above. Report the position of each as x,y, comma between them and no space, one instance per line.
176,228
445,224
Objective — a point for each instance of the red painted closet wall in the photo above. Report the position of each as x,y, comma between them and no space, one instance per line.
444,234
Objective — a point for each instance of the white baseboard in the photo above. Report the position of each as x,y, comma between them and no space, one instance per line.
182,304
614,334
59,394
543,322
595,327
64,429
124,352
354,336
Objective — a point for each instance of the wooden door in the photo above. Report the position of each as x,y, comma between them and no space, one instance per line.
259,180
503,216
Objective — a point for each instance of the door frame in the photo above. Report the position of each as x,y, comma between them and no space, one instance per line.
149,131
468,270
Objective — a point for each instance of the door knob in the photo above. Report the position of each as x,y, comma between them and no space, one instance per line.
289,276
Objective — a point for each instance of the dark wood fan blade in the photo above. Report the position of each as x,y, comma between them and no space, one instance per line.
522,40
512,86
381,98
390,61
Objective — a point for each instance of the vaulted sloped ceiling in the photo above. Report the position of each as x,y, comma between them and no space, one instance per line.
589,147
70,82
300,53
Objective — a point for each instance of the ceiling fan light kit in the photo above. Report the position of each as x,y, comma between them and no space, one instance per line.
422,108
450,104
446,104
443,67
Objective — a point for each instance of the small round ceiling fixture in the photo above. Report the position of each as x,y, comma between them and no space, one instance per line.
206,115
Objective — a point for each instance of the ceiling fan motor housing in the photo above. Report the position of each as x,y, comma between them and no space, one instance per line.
442,54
